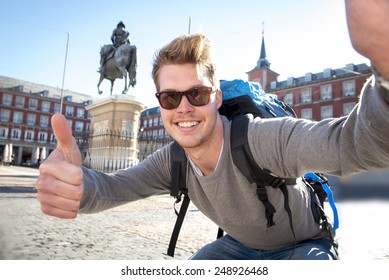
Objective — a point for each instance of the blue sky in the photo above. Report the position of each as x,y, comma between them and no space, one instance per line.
301,36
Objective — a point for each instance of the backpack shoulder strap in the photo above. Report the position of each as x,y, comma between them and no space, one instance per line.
178,164
177,226
242,156
177,189
244,160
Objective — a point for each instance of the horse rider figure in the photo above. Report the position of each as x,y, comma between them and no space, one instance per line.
119,37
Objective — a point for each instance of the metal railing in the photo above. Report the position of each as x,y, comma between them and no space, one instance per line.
111,150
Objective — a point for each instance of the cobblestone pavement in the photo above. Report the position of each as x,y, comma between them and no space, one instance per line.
142,229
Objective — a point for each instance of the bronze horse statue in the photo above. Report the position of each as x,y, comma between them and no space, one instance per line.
122,63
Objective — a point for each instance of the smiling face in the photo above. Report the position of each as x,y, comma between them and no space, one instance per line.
191,126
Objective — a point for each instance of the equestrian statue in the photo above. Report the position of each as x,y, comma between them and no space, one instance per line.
119,59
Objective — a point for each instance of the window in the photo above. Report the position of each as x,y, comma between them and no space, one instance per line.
155,134
46,106
79,126
15,134
69,110
160,133
160,121
290,81
42,136
306,113
57,108
44,122
70,123
18,117
306,95
155,122
52,138
31,118
150,123
348,107
19,101
80,112
3,132
326,92
144,123
288,99
87,127
326,112
29,135
33,104
7,99
5,114
349,88
89,115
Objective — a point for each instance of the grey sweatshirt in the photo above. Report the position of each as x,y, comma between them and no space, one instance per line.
288,147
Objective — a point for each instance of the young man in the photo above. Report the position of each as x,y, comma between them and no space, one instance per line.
185,79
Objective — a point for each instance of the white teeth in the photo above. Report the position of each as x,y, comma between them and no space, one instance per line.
187,124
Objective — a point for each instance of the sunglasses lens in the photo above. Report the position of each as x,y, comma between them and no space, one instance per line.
199,96
169,100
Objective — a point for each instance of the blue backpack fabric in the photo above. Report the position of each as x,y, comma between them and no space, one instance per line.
268,104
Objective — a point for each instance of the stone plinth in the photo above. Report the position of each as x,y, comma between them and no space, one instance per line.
114,132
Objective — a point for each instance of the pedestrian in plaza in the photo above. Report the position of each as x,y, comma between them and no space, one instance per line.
188,90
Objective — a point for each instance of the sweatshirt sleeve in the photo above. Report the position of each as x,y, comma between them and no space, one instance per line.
358,142
103,191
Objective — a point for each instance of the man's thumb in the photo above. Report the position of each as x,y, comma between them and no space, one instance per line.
65,142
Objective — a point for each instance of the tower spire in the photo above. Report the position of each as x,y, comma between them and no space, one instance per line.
262,61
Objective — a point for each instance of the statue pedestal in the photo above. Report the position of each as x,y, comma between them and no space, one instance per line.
114,133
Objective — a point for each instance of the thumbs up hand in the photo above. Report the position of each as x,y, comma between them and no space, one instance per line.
59,185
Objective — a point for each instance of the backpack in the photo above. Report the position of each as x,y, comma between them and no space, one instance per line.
243,101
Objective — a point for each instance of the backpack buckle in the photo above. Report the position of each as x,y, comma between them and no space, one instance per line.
278,182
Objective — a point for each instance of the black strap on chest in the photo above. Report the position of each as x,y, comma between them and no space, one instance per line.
244,160
177,189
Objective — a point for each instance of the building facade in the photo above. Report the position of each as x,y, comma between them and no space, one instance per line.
26,136
152,134
314,96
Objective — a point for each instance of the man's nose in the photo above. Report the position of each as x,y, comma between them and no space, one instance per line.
185,106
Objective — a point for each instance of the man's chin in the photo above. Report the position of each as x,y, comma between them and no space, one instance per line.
187,144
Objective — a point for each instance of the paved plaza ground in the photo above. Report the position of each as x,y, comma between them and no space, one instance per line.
141,230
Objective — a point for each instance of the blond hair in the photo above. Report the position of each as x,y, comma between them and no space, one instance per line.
193,48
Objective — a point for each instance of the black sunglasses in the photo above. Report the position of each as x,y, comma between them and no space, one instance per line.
196,97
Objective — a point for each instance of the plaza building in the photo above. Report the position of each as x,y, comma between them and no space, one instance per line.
314,96
26,136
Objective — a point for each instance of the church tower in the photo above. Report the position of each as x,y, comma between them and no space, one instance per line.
262,73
